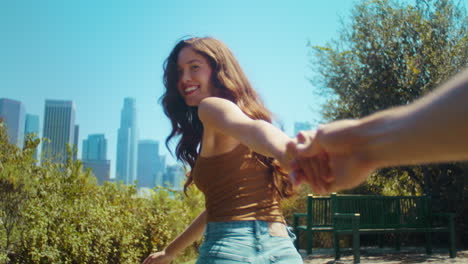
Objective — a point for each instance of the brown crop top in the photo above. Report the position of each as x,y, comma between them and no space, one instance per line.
237,187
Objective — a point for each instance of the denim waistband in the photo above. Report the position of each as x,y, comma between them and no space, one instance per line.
256,227
246,242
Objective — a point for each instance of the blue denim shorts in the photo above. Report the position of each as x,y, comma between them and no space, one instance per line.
246,242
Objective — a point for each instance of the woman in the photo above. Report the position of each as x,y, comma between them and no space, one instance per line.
234,152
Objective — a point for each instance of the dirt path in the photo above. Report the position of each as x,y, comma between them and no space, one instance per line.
388,256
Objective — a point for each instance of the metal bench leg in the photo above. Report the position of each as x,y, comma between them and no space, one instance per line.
356,247
380,238
428,243
452,249
356,239
336,244
309,242
398,241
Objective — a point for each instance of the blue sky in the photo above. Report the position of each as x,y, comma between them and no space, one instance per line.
98,52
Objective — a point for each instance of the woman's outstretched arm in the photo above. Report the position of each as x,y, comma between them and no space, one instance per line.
227,118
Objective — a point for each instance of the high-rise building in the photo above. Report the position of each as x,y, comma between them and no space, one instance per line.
32,127
173,177
59,129
150,164
94,147
13,114
127,143
300,126
99,168
161,172
76,135
94,156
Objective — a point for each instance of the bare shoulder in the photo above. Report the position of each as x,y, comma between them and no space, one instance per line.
213,106
221,114
213,103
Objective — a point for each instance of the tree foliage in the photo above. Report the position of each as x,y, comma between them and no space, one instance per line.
390,53
56,213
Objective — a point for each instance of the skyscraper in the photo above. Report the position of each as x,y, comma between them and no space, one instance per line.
94,156
299,126
127,143
99,168
32,127
76,134
161,172
94,148
59,128
150,164
173,177
13,114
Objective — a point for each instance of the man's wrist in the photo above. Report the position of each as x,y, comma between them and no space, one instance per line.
379,134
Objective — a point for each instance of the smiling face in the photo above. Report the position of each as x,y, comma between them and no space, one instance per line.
194,76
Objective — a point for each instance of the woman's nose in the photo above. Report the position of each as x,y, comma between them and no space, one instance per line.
185,76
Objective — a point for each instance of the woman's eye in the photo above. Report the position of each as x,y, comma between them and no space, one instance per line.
195,67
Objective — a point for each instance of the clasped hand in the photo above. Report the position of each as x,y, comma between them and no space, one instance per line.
330,159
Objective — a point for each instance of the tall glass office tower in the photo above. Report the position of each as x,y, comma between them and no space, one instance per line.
174,177
150,164
76,134
59,128
32,127
95,147
127,143
13,114
94,156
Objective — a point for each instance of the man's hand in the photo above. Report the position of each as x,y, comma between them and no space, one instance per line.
331,158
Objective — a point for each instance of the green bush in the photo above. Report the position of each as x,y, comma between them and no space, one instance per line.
56,213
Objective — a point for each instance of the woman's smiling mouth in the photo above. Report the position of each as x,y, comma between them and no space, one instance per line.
189,90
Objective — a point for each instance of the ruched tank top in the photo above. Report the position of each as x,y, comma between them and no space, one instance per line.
237,187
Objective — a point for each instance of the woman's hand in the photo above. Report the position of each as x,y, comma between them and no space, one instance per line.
160,257
287,157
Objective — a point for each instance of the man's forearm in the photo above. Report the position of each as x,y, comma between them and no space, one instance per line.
432,129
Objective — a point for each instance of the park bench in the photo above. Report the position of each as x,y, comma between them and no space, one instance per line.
358,214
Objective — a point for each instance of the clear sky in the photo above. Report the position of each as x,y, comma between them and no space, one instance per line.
98,52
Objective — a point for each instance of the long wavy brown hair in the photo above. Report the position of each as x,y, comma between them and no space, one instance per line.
231,84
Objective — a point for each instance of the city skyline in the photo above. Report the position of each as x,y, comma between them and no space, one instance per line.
60,130
128,115
149,171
